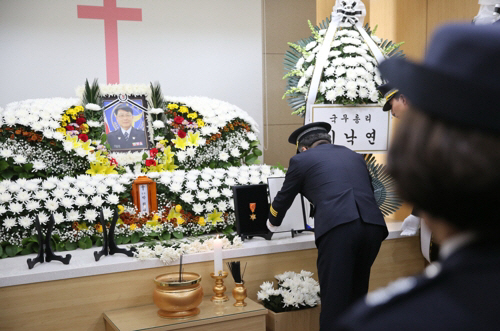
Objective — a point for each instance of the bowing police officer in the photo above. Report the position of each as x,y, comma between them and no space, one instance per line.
349,227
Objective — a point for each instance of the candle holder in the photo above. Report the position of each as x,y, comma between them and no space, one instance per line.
239,294
219,287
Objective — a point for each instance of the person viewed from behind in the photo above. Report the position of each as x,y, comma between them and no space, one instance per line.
445,159
349,227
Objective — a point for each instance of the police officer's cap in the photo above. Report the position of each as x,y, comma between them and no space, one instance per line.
307,129
389,92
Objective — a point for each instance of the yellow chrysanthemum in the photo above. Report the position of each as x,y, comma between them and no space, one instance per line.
119,221
121,209
180,143
82,226
79,109
65,118
85,128
201,221
61,130
200,123
172,106
184,109
99,228
133,227
192,116
215,217
178,208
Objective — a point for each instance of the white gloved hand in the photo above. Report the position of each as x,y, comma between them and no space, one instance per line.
410,226
271,227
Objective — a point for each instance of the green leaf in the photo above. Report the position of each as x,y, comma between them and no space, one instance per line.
136,237
119,240
126,240
12,250
228,230
178,235
4,256
18,169
254,143
98,242
108,146
257,152
250,159
104,138
28,167
3,165
28,249
81,243
71,246
165,235
145,156
1,250
60,247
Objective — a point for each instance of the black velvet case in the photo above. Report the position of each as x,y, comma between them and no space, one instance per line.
243,196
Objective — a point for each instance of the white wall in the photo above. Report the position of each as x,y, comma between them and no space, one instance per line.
207,48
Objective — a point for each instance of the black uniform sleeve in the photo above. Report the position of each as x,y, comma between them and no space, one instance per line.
284,198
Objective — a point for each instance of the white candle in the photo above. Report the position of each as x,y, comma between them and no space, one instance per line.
217,255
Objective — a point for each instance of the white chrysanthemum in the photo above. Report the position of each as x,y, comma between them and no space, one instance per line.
311,45
351,74
339,91
43,218
107,213
113,199
6,153
235,152
336,43
251,136
351,85
310,58
202,195
67,203
216,182
192,186
309,72
300,63
209,207
198,208
205,185
58,218
187,197
88,190
369,67
374,95
350,62
25,221
15,208
223,156
175,187
352,94
92,106
334,53
81,201
58,193
52,204
19,159
9,222
158,124
243,180
363,92
73,216
329,72
331,96
214,193
91,215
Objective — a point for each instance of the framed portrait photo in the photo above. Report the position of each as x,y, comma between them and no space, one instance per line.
125,123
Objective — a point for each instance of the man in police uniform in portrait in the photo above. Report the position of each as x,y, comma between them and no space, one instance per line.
126,136
349,227
445,158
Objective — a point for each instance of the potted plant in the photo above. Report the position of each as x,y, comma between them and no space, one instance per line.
294,304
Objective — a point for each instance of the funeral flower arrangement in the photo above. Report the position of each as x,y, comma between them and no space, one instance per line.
54,160
350,75
295,291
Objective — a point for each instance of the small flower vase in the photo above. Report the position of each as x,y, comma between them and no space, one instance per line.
239,294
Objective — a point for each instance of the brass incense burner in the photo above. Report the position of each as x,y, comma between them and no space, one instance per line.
178,298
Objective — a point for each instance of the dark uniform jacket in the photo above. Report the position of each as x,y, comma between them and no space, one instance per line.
137,139
336,181
461,293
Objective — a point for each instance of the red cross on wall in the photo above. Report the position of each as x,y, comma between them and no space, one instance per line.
110,14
